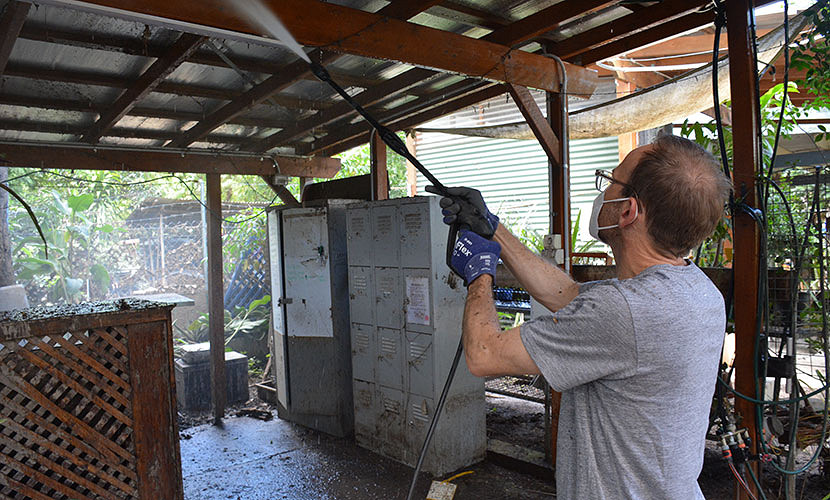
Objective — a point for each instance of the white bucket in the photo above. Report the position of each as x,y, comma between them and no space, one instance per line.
13,297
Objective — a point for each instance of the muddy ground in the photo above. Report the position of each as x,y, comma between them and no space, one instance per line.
521,422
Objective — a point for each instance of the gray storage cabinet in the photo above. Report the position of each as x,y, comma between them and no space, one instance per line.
406,311
311,351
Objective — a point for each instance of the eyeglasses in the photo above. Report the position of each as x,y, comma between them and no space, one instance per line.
605,179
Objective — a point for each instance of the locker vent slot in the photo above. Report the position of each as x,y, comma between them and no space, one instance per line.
388,346
420,411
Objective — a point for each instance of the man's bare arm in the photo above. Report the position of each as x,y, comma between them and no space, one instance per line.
542,279
488,349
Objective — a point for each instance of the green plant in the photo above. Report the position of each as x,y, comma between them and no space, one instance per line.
357,161
69,265
811,54
250,322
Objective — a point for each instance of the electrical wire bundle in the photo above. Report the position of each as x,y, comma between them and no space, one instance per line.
735,442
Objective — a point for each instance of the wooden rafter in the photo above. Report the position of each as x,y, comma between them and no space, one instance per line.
169,114
400,10
405,9
413,117
508,35
281,191
11,22
479,17
318,24
625,26
537,122
644,37
368,97
37,155
130,133
545,20
132,46
104,80
145,84
254,96
444,95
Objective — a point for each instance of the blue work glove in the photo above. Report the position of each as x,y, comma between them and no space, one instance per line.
465,206
473,256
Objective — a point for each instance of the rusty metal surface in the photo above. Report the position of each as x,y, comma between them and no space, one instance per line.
88,410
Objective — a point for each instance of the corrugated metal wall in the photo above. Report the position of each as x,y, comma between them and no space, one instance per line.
511,174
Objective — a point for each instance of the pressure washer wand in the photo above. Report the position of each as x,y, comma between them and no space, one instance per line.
390,138
397,145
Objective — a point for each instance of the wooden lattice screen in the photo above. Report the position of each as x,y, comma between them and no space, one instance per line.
87,403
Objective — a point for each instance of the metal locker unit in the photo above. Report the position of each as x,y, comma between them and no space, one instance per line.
406,310
311,348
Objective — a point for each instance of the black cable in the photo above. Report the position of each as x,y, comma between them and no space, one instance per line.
720,21
435,416
784,99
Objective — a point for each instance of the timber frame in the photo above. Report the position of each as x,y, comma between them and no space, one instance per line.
191,86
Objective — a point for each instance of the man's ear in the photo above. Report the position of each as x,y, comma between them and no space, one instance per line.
630,213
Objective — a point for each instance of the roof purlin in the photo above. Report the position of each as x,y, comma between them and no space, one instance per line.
145,84
11,23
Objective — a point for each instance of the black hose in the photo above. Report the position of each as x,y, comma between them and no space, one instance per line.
434,422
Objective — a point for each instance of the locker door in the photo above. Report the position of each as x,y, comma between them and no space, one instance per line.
307,278
277,312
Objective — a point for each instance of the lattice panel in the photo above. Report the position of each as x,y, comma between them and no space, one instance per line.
66,421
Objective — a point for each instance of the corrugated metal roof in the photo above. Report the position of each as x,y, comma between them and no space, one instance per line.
68,65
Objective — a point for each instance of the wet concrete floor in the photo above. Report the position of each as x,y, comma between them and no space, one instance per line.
248,459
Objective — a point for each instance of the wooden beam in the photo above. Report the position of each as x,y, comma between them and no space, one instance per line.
444,95
416,117
133,133
405,9
254,96
103,80
644,37
36,72
352,31
477,17
742,72
508,35
537,122
134,46
378,168
624,26
145,84
216,299
281,191
168,114
11,22
84,157
545,20
343,109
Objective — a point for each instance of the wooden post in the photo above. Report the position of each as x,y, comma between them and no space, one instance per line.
627,142
552,134
380,175
411,177
742,72
560,218
155,427
6,270
216,299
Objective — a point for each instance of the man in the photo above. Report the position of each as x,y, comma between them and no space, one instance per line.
635,357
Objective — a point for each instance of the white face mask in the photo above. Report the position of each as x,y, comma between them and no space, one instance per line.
593,225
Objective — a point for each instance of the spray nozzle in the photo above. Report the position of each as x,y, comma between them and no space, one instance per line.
320,72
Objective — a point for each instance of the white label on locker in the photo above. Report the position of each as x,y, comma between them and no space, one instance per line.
417,300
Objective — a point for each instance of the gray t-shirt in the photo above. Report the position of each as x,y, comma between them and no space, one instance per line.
636,362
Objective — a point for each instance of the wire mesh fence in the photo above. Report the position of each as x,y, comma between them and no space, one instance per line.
795,324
